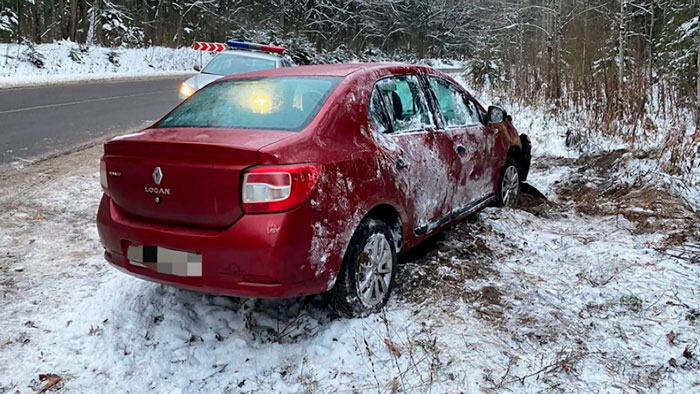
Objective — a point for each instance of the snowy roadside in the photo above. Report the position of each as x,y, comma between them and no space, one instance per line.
576,294
68,62
44,80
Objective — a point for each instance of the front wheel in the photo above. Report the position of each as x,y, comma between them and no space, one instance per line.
508,186
368,272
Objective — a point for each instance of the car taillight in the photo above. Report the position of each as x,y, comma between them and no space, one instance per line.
278,188
103,176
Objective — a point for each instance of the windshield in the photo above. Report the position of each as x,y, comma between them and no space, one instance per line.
225,64
279,103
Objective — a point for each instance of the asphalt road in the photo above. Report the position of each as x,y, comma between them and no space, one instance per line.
42,120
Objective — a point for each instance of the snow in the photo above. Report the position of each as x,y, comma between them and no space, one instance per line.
511,301
545,182
65,61
42,80
448,65
690,28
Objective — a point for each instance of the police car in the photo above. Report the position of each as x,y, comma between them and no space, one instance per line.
235,57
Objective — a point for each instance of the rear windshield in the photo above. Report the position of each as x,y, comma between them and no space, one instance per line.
280,103
232,64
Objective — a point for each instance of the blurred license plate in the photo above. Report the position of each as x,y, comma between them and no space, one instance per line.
165,261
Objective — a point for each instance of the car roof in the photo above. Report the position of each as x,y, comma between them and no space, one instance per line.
331,70
257,55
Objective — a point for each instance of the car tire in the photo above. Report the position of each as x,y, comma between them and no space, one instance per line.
525,157
368,272
508,185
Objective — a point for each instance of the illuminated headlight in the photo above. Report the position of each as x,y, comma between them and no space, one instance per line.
186,90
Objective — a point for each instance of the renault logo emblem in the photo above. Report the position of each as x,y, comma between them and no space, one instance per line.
157,175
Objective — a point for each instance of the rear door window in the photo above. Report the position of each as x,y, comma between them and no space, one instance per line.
457,110
279,103
405,103
377,114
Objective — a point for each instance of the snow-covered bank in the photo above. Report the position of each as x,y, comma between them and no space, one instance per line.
668,156
65,61
43,80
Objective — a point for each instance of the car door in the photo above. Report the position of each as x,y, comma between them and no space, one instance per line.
471,140
417,158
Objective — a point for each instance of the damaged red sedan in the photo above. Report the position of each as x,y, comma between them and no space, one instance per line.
296,181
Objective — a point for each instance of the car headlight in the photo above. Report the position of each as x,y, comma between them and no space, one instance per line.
186,90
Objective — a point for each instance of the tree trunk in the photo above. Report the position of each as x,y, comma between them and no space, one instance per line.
697,68
621,50
19,21
558,39
90,38
158,25
73,19
36,18
697,71
61,19
650,61
283,20
180,24
550,56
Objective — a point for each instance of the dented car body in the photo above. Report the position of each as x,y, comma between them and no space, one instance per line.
266,179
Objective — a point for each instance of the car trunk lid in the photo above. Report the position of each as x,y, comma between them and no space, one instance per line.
182,176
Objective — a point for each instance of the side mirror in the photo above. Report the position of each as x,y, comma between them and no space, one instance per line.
197,68
497,114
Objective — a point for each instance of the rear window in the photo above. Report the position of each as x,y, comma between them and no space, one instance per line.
232,64
281,103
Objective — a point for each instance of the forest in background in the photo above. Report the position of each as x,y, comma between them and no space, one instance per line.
616,65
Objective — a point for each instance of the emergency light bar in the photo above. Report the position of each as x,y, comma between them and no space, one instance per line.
255,47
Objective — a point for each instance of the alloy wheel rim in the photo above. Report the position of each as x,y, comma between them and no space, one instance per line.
509,188
373,273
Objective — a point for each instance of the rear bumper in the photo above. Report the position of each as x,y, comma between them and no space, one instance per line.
260,256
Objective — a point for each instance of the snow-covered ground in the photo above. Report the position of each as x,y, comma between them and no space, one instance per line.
66,61
576,294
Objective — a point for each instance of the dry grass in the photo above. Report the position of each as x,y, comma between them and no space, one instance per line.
594,190
438,268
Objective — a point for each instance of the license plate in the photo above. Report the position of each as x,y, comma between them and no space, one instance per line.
165,261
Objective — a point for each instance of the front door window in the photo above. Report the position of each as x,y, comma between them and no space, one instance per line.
457,110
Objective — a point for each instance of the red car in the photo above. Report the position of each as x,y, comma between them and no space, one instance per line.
295,181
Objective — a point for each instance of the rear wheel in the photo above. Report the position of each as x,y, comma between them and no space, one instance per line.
509,185
368,272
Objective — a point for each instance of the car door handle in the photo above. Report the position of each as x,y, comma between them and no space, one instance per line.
401,163
461,150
